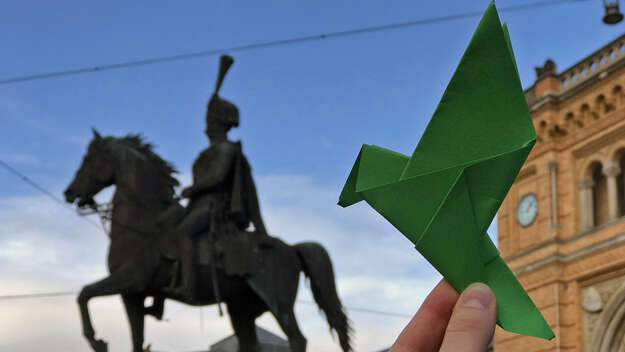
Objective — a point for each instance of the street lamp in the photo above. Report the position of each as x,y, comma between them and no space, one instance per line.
612,13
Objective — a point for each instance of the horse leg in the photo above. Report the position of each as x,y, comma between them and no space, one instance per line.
157,308
110,285
288,323
242,321
136,313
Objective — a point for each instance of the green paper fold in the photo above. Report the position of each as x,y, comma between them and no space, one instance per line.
444,196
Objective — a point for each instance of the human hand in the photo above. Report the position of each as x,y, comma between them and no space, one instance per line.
448,322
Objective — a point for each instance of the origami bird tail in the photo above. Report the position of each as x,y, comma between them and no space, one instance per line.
464,255
516,312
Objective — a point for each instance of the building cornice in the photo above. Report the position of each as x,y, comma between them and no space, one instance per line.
583,74
596,144
553,98
564,258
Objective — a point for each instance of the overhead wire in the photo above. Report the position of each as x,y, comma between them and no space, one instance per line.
275,43
68,293
245,47
364,310
41,189
71,293
37,295
104,219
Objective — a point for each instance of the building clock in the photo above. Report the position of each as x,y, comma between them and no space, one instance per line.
527,209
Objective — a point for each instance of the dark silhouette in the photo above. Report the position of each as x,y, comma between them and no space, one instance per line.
154,240
222,198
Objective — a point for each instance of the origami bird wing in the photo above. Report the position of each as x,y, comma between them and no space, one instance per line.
444,196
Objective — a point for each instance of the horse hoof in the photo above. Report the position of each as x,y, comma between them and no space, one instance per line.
100,346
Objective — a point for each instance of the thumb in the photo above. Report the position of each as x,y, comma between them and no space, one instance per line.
472,322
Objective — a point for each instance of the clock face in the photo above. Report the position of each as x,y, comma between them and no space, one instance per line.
527,209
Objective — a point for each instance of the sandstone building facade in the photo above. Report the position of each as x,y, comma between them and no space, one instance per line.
562,226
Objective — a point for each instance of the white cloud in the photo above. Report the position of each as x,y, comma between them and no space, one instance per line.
22,159
22,251
44,247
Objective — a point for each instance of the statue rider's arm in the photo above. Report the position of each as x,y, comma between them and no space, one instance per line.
216,174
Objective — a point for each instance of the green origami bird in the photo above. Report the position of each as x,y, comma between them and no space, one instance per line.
444,197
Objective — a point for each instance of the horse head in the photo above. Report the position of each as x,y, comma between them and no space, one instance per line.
96,172
129,163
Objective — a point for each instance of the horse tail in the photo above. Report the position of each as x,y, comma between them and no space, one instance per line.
317,267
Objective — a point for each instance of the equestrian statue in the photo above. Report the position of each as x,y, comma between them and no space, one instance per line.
215,250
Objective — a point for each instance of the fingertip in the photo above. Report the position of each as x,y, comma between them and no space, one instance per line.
472,322
478,296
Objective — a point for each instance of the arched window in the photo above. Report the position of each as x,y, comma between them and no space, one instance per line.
571,122
603,106
584,113
542,128
599,194
609,327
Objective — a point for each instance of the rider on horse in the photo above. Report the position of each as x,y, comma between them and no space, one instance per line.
151,234
222,199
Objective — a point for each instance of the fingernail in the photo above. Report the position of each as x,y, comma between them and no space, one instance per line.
477,296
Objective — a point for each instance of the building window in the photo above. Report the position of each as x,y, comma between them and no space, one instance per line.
599,194
603,106
620,181
618,95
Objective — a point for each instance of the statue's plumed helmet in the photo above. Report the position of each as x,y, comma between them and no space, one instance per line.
220,108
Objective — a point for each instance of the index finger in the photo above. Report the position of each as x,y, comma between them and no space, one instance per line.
424,333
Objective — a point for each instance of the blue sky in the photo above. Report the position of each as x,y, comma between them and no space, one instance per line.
305,110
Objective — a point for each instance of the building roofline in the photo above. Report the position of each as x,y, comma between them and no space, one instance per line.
585,72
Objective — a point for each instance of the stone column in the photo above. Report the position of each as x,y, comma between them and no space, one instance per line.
611,170
586,206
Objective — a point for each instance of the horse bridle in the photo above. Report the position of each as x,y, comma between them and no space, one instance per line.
104,211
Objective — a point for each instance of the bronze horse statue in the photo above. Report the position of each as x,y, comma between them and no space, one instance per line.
139,268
